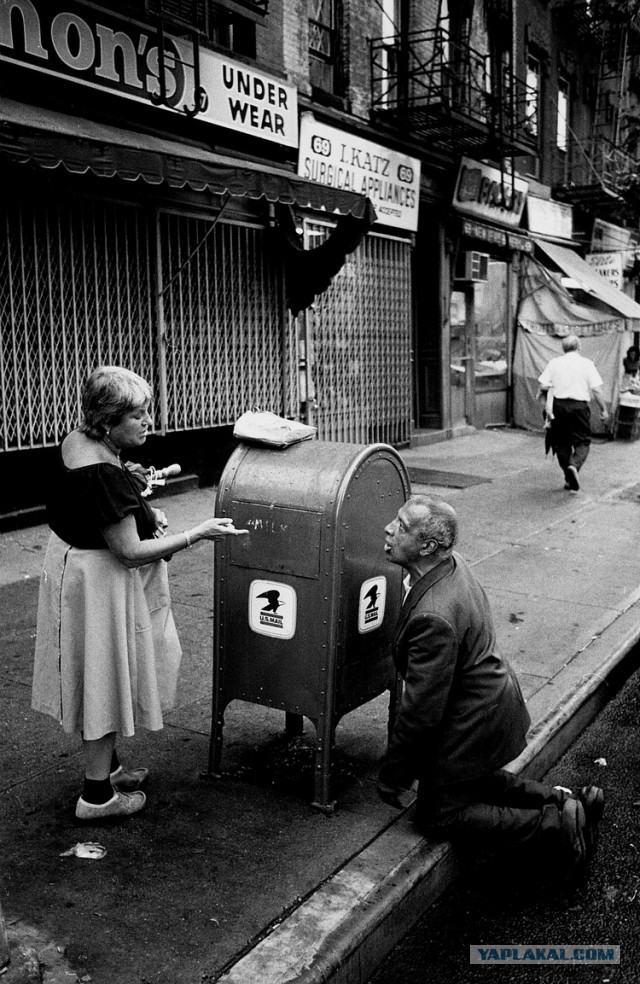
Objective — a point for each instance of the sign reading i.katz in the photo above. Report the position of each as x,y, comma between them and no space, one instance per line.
339,160
99,49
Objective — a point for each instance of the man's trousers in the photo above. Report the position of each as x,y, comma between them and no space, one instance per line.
498,811
571,432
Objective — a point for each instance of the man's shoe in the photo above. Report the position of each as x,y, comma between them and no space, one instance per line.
592,799
571,475
120,805
128,779
572,825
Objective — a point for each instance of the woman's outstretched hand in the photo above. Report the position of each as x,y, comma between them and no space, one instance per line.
215,528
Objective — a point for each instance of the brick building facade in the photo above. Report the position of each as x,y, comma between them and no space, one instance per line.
169,158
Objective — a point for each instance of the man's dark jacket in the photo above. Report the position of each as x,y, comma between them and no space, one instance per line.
462,714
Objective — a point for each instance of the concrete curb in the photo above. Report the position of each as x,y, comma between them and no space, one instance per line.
350,923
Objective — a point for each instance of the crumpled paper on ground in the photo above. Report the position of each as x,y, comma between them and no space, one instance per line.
89,850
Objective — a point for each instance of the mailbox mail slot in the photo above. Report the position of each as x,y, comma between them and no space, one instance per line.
307,603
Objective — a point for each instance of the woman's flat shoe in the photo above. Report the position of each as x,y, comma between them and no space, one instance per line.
128,778
120,805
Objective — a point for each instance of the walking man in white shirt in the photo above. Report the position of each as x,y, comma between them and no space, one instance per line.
573,382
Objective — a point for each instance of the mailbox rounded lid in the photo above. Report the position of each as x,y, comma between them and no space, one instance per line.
309,475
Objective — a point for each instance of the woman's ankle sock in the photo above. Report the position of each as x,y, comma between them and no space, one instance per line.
97,791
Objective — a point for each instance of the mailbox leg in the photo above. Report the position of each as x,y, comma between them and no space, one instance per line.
215,741
293,724
325,733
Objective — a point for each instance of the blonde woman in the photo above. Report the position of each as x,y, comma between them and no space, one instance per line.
107,652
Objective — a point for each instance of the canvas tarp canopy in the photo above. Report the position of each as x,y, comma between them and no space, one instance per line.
547,313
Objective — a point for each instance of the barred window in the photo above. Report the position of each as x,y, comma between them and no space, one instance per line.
324,45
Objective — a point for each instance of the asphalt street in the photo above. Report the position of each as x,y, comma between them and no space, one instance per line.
494,904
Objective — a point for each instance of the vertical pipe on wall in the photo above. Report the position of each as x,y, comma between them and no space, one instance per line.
445,329
161,328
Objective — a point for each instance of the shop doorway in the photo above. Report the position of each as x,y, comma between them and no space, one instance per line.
479,353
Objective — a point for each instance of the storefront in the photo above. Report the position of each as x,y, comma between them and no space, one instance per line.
488,207
127,240
356,339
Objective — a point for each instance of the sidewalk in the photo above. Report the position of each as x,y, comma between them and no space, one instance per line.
239,880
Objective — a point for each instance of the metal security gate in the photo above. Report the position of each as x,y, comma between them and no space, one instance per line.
196,308
227,339
359,344
75,292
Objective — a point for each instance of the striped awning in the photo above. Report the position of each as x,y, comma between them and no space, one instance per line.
53,140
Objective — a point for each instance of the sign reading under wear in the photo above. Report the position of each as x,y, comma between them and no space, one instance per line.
106,51
272,609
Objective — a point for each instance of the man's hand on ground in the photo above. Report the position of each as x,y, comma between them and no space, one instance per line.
395,796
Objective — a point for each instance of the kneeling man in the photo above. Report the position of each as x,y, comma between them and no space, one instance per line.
462,717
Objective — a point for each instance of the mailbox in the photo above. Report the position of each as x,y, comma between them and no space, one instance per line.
307,603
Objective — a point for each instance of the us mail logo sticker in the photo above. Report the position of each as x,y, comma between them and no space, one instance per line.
373,596
272,609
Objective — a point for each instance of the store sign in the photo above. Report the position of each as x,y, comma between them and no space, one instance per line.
97,49
609,265
337,159
484,192
242,99
607,238
483,233
554,220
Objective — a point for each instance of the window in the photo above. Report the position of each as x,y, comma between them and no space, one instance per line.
389,55
232,31
562,122
324,45
532,99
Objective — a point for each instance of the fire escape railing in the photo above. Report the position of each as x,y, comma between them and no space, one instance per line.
600,165
427,76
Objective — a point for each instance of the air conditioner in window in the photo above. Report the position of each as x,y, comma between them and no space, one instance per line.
472,267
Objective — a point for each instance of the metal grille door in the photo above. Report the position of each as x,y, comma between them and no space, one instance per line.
228,343
75,292
360,344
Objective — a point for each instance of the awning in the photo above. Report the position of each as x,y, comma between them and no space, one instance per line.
590,280
52,140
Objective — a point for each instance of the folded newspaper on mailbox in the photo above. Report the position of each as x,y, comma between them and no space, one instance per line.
263,427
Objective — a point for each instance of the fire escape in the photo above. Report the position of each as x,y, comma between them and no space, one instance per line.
452,96
600,164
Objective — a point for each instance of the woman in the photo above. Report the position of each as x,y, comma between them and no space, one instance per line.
107,651
631,361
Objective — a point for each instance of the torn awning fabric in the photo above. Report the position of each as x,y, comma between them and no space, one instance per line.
53,140
308,272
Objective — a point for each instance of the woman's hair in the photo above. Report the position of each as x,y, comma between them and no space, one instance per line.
633,353
108,394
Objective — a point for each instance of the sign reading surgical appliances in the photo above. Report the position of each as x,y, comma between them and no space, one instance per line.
98,49
339,160
483,192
